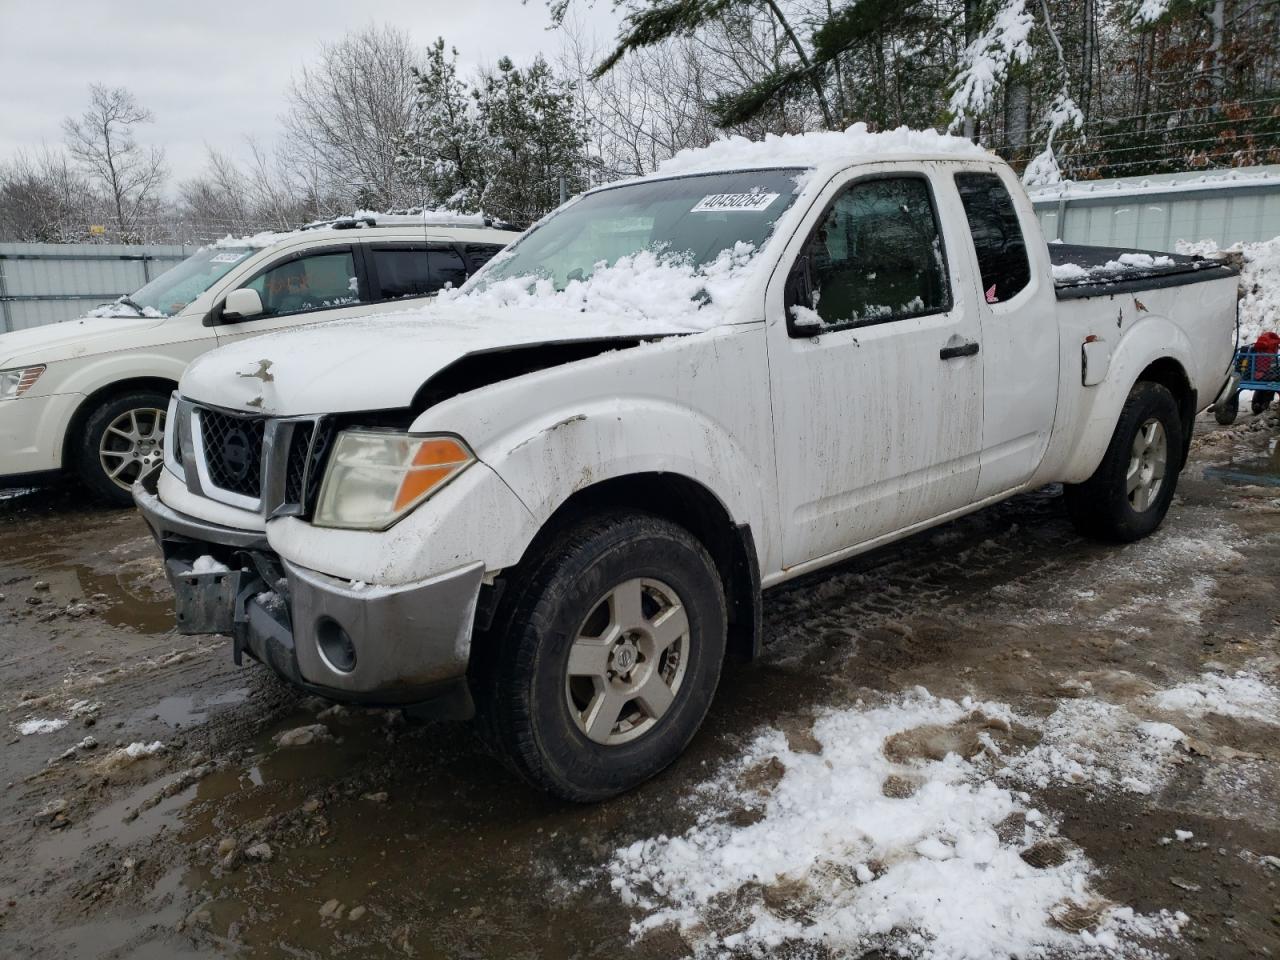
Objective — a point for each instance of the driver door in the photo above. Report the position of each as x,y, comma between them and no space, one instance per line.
324,283
875,370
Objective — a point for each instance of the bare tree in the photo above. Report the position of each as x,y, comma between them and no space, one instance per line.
43,199
101,141
349,112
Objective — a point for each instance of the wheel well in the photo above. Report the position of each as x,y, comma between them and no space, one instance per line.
95,399
689,504
1169,374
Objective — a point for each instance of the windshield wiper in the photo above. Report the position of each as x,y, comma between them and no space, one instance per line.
128,301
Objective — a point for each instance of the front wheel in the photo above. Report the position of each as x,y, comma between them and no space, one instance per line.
1129,494
121,442
608,655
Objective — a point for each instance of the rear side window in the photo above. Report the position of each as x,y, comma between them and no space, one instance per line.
415,270
481,253
875,257
997,236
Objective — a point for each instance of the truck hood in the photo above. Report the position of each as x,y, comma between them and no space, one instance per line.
379,363
74,338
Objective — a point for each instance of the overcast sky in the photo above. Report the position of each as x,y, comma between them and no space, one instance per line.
213,72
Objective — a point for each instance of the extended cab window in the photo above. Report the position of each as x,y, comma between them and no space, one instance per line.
416,270
997,237
481,253
876,256
319,281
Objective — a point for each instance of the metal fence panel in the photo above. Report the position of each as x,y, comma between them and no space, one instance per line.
48,282
1237,206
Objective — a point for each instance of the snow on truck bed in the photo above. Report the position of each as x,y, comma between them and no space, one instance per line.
1087,271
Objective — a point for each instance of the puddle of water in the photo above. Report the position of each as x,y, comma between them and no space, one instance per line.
1259,471
104,558
184,710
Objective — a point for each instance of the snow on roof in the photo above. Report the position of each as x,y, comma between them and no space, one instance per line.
1165,183
813,149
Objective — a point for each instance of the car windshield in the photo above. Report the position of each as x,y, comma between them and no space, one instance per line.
170,292
694,218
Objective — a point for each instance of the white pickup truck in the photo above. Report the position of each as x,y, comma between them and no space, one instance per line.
558,502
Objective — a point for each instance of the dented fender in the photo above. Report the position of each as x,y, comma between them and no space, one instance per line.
694,405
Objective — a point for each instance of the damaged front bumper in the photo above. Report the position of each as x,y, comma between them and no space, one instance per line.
389,646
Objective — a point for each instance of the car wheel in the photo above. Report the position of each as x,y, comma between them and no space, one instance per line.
608,654
1227,411
1129,494
122,441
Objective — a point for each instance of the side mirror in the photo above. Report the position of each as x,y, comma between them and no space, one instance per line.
242,304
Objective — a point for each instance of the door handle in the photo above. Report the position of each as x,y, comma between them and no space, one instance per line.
966,349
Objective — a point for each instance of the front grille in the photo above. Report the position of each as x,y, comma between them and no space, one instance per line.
233,451
305,464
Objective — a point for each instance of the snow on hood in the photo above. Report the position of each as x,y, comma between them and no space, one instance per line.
813,149
61,341
379,362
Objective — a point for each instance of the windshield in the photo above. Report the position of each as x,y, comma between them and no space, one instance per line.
170,292
692,218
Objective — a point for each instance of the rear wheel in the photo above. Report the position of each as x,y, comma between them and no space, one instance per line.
1129,494
1261,400
122,441
608,655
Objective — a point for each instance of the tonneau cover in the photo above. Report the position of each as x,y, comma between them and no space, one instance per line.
1107,270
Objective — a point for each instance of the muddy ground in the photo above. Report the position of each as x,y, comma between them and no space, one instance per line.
376,837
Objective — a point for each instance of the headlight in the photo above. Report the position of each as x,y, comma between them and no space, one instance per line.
16,382
375,477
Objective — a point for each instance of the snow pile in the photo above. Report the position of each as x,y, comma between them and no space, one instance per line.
207,564
1246,695
812,149
661,287
1259,282
1099,744
1067,273
868,846
259,241
28,727
119,309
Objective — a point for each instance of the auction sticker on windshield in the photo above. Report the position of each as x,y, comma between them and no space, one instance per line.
716,202
227,258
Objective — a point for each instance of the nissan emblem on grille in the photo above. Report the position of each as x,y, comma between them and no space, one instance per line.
236,455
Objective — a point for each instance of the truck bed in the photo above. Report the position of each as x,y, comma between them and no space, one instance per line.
1102,271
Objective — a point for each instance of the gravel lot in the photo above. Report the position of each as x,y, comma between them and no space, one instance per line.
1111,784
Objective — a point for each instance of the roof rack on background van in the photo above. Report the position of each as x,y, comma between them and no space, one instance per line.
426,218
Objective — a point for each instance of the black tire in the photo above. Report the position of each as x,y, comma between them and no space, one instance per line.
1261,400
1227,411
1101,507
87,459
523,695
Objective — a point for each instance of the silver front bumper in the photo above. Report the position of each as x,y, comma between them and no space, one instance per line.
411,643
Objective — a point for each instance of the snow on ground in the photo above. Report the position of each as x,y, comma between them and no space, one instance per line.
1245,695
1100,744
905,831
812,149
28,727
1259,282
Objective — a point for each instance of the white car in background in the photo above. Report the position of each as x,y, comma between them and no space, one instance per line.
88,397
